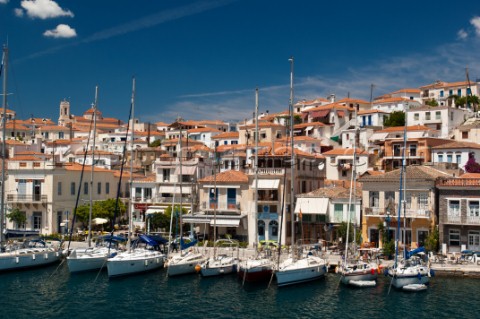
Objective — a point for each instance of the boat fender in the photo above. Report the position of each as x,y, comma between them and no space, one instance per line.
33,256
198,268
146,262
45,256
419,276
431,273
385,272
325,268
379,269
372,271
336,270
157,260
17,260
57,254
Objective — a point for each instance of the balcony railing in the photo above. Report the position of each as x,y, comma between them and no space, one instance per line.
268,171
473,220
410,213
223,206
459,182
454,218
21,198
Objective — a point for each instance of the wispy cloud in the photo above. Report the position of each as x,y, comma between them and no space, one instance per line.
3,1
462,34
447,63
42,9
61,31
139,24
476,24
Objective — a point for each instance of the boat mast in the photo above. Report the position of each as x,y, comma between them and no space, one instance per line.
4,122
404,167
215,203
180,221
130,217
256,171
93,167
292,156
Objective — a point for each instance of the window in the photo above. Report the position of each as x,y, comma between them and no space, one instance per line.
473,208
374,199
263,135
458,158
338,212
85,188
441,93
166,175
416,116
72,188
37,220
440,157
99,188
413,149
138,192
273,228
421,237
261,228
59,188
454,237
422,200
213,197
438,115
449,157
465,135
454,208
61,135
459,92
427,116
147,193
473,239
389,200
107,188
231,198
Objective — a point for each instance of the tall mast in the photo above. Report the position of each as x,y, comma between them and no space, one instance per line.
130,217
256,169
4,122
215,202
93,167
180,155
292,156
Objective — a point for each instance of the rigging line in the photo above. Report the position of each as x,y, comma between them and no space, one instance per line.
79,189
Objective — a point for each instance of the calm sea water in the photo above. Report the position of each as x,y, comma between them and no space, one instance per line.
53,292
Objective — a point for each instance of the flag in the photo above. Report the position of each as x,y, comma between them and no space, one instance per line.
300,214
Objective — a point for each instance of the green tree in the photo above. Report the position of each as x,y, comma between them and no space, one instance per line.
155,143
388,244
159,220
102,209
17,216
342,232
297,119
396,118
431,242
431,102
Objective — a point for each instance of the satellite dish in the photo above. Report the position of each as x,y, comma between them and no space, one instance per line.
321,166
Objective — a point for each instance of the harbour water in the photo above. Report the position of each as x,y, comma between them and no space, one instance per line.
53,292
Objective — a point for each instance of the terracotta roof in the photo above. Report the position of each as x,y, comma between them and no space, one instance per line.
361,112
78,167
53,128
302,125
334,192
350,100
457,144
401,129
203,129
344,151
407,91
261,125
413,172
331,106
470,175
226,135
229,177
392,100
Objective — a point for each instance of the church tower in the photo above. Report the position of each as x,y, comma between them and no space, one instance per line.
64,117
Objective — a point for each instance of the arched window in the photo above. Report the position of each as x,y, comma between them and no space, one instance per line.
261,228
273,228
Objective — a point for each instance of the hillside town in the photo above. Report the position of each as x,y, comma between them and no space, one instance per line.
208,167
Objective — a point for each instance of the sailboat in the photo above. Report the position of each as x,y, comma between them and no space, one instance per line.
411,272
31,253
360,273
93,258
300,266
260,267
184,263
219,264
144,254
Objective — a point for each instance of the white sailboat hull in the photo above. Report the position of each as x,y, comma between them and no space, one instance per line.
218,266
136,261
28,258
302,270
181,265
362,271
403,276
89,259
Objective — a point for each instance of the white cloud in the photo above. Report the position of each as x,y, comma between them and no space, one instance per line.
61,31
3,1
476,24
18,12
462,34
42,9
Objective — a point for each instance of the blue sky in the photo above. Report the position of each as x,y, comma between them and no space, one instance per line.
204,59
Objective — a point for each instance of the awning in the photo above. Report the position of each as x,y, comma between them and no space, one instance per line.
308,128
196,219
266,184
378,136
154,210
312,205
169,189
220,222
186,170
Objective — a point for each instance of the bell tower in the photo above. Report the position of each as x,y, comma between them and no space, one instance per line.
64,117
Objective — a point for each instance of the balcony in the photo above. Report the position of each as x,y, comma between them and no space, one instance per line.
267,171
223,206
26,199
473,220
459,182
454,218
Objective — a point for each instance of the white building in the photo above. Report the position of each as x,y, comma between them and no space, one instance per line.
441,118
